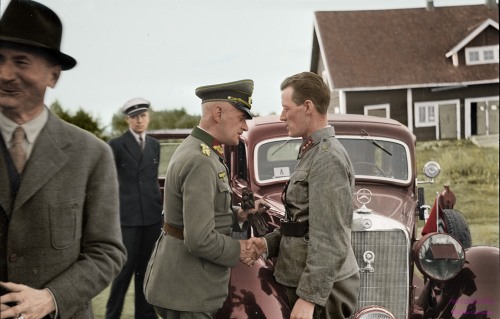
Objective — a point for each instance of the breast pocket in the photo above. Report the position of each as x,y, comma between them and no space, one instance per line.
298,188
223,197
65,223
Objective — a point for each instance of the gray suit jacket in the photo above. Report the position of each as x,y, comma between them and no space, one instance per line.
193,274
62,231
320,192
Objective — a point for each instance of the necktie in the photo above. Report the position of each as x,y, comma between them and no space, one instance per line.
17,151
141,142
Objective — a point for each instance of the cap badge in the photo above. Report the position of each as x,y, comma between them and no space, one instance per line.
238,100
205,150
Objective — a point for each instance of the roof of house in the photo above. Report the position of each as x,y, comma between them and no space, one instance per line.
401,47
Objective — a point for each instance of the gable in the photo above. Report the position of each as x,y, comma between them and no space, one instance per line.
484,35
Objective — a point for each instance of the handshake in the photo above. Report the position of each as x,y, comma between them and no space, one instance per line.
251,249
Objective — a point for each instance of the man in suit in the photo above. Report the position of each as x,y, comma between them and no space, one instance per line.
137,157
188,273
60,241
315,260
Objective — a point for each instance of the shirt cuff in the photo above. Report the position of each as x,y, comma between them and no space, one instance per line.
55,313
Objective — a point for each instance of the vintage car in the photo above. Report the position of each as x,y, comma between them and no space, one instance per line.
403,274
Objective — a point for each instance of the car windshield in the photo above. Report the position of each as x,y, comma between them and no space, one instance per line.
377,158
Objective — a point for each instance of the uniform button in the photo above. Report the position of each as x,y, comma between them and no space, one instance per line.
13,258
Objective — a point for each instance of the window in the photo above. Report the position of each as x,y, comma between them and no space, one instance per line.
380,110
425,114
275,159
376,159
482,55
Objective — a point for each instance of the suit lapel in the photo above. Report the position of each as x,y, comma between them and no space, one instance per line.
132,146
5,196
46,159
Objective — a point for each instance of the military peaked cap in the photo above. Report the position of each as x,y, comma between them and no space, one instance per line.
238,93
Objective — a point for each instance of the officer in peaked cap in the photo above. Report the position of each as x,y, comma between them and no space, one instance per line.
238,93
196,245
135,106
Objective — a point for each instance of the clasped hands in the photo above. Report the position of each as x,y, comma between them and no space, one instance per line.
252,249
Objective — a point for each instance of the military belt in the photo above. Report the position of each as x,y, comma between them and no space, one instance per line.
174,231
294,229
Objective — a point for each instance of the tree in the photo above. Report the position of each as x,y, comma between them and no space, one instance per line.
166,119
81,119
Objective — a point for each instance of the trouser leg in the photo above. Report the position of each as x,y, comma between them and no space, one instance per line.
341,302
148,236
120,284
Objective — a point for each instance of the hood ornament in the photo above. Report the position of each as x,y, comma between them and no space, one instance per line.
363,196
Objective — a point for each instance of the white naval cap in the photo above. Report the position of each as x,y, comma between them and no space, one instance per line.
135,106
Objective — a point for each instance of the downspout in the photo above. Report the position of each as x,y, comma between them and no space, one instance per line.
342,102
409,108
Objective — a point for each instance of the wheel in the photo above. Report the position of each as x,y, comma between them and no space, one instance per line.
366,168
455,225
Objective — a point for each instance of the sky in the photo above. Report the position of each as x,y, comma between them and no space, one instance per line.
162,50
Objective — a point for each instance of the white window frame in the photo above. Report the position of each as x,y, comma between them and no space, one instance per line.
385,107
468,102
428,106
481,52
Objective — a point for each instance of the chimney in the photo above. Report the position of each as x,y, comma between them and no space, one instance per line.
430,4
492,4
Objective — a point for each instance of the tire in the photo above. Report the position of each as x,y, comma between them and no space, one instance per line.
456,226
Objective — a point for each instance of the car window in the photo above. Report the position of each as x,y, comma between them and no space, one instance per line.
167,149
276,158
380,158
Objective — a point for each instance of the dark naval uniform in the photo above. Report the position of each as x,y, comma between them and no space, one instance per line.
318,263
140,212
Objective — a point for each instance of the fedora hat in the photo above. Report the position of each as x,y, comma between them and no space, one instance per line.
29,23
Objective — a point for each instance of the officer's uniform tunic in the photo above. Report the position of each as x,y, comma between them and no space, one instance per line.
192,274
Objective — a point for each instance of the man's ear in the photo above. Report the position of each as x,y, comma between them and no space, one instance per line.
54,76
309,105
217,113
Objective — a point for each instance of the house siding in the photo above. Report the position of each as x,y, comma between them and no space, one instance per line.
356,101
397,99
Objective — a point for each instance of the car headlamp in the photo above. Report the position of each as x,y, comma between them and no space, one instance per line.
439,256
374,312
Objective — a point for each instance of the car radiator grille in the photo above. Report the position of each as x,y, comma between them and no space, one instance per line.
388,284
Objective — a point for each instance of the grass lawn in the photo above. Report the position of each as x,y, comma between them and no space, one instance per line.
99,303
